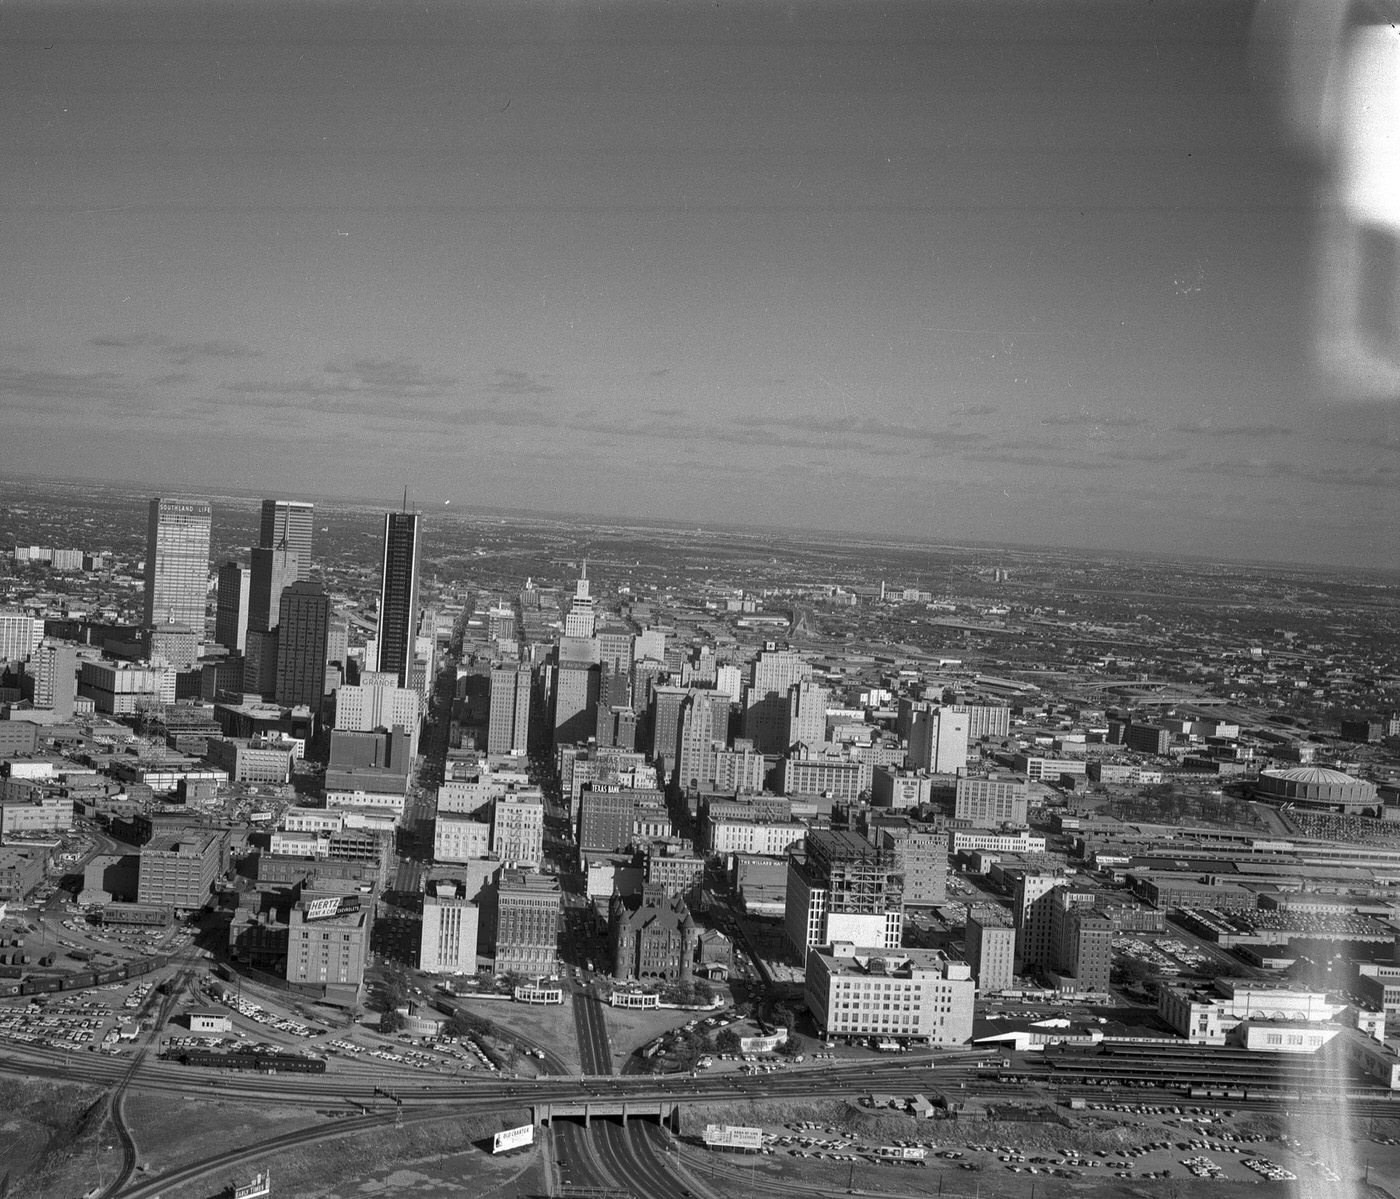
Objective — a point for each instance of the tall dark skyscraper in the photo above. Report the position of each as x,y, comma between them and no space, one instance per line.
303,633
286,524
177,563
398,595
272,570
231,608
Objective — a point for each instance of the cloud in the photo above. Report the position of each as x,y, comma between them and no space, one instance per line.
843,429
1206,426
184,352
1111,420
388,375
1144,455
371,378
111,341
62,385
1056,461
179,353
518,383
975,409
173,378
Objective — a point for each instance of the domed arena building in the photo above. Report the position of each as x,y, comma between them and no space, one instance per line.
1318,788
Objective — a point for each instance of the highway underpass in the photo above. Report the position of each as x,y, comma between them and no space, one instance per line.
665,1112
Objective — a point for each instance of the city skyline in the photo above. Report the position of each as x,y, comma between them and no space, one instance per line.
968,272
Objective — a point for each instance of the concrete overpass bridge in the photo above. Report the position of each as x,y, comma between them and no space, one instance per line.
666,1112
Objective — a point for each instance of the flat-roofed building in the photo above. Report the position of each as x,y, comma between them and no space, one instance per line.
121,688
840,778
296,820
992,800
517,830
678,874
460,838
380,705
451,923
42,811
178,869
328,943
250,760
21,870
840,887
524,931
1041,769
903,995
991,949
769,838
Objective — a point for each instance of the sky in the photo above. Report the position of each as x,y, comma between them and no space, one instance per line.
1017,272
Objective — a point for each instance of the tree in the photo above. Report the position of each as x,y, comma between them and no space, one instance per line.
792,1046
726,1041
784,1016
467,1024
391,1021
704,993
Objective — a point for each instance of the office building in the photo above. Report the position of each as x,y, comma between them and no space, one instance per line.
303,635
664,718
121,689
177,870
1083,942
991,949
575,702
517,830
766,705
459,838
34,810
451,924
938,740
20,635
840,887
508,729
807,702
376,702
899,996
841,779
1147,738
173,645
678,874
704,725
608,815
54,666
751,835
581,618
250,760
1034,912
231,607
989,802
273,570
260,663
525,923
177,563
984,720
328,938
1040,769
287,525
398,595
922,857
892,787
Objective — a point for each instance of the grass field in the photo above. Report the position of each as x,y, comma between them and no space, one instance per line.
434,1160
52,1137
